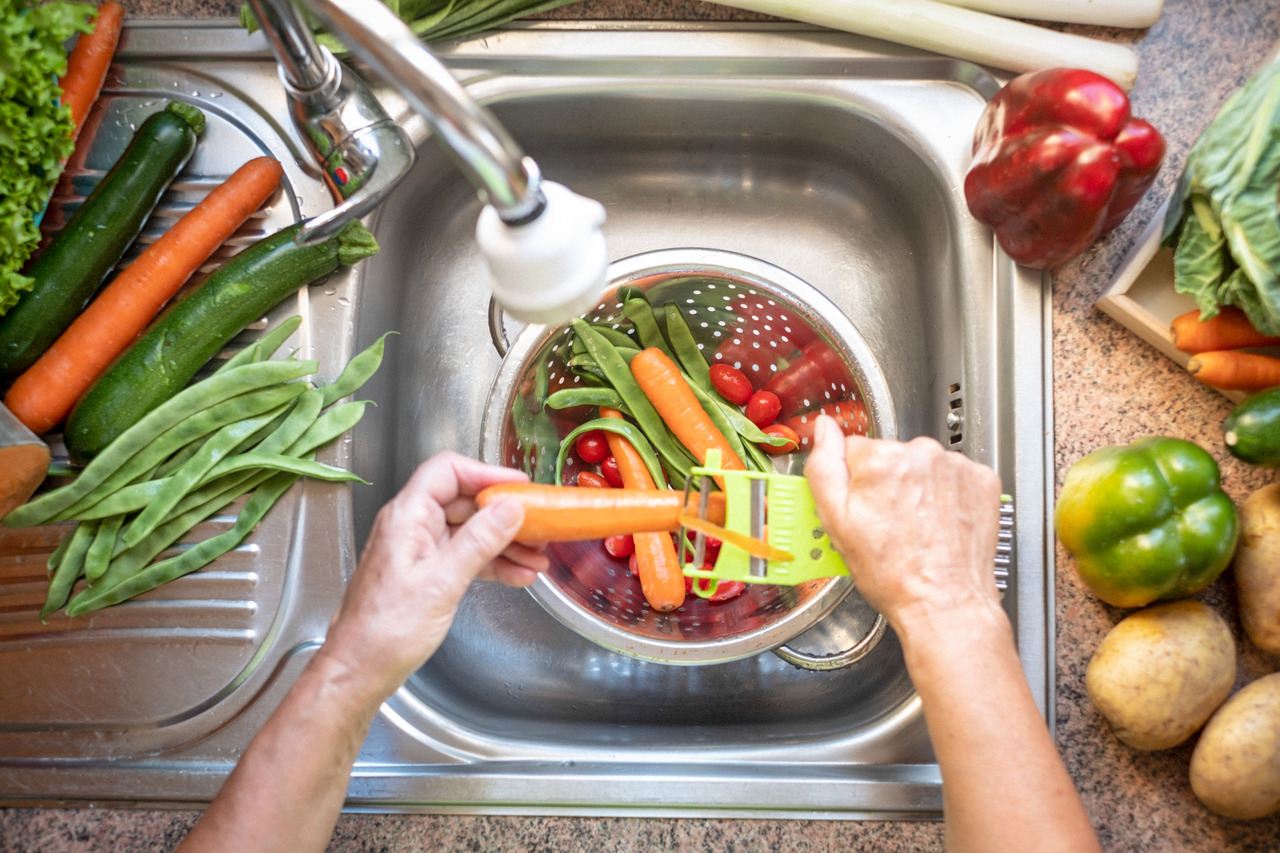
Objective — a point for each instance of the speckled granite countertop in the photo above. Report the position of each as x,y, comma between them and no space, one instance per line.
1109,387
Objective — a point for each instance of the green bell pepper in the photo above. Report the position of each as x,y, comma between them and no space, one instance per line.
1147,521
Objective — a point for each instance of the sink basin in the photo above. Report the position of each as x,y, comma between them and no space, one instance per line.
835,158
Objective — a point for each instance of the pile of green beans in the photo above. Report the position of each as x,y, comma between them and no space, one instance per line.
601,356
253,428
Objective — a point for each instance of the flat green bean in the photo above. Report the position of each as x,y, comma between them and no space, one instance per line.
568,398
300,417
357,372
185,478
176,439
195,398
619,376
70,568
686,349
196,557
330,425
266,346
98,557
642,316
280,462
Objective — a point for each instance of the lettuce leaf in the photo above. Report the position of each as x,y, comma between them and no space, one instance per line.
35,127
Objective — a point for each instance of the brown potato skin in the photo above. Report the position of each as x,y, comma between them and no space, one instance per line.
1161,672
1257,568
1235,767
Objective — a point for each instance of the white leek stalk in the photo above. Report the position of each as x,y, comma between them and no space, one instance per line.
962,33
1100,13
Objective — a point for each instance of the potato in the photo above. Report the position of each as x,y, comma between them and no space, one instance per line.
1160,673
1257,568
1235,767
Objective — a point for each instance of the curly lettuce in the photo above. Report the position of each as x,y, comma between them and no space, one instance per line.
35,127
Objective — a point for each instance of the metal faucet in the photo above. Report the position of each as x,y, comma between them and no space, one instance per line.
544,268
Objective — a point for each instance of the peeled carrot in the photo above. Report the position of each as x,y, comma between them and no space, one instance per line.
572,513
88,62
43,395
657,563
661,381
1229,329
1233,370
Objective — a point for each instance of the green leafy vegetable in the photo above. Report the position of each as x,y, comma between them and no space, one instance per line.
1223,219
435,20
35,127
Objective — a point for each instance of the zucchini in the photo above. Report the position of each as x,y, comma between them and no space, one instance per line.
168,355
95,239
1252,430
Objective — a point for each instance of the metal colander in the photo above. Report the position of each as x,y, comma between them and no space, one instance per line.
742,311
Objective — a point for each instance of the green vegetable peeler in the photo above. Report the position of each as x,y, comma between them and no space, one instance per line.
790,549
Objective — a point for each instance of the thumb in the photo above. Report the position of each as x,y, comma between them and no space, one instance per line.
484,536
825,468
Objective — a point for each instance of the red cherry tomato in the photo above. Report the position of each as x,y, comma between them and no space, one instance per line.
620,546
781,431
710,551
609,467
725,591
591,446
763,408
731,383
592,480
633,567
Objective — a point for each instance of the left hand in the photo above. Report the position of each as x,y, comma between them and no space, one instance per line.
427,545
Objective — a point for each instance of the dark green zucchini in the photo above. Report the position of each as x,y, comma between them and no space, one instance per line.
1252,430
168,355
77,262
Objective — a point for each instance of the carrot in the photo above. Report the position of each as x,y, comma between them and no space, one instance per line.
88,62
1233,370
43,395
572,513
24,460
657,563
661,381
1229,329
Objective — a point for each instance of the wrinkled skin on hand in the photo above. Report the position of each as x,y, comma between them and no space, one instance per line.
916,524
426,547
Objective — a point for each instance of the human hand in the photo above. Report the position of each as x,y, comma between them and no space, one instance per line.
426,546
916,524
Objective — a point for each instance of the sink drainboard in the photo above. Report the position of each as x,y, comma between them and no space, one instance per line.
835,158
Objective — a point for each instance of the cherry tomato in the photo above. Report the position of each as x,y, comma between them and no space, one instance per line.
725,591
731,383
591,446
592,480
781,431
763,408
620,546
633,567
710,551
609,467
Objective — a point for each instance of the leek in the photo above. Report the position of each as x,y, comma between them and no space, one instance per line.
962,33
1099,13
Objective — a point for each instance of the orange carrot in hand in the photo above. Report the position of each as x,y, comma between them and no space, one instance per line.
1233,370
661,381
1229,329
88,62
43,395
573,514
657,563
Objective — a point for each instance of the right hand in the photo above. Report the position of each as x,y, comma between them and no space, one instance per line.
916,524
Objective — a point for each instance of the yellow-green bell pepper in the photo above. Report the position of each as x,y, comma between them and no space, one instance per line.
1147,520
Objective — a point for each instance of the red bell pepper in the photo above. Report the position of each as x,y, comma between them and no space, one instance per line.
1058,162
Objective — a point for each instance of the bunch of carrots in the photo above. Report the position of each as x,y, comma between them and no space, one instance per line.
43,395
1220,351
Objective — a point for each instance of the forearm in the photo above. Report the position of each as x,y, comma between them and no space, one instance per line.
1004,786
288,788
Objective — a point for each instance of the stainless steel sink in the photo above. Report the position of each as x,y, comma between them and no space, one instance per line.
835,158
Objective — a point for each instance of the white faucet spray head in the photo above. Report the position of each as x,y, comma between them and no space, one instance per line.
553,268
